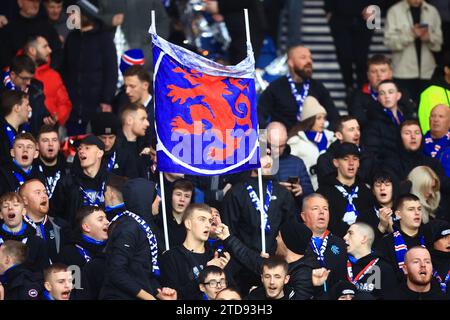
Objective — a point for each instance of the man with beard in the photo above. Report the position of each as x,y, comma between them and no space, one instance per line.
56,97
181,265
21,169
282,101
53,230
51,162
419,272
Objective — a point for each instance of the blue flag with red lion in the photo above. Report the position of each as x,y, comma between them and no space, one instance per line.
205,113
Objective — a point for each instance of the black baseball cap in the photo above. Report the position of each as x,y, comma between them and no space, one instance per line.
92,140
346,148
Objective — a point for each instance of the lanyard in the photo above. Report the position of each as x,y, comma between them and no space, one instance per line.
362,273
299,98
255,201
323,247
36,226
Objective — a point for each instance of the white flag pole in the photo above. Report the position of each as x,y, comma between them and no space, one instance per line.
260,184
163,205
261,211
152,30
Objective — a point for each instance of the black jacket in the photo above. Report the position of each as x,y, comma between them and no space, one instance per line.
325,165
37,259
244,220
22,284
72,255
300,271
381,136
5,144
68,196
11,174
134,165
441,263
90,71
277,103
407,294
128,259
93,274
379,285
180,269
387,249
260,294
56,234
338,204
335,259
362,102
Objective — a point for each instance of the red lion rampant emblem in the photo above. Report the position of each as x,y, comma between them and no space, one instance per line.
214,109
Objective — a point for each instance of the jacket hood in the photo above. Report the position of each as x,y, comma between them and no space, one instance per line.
139,195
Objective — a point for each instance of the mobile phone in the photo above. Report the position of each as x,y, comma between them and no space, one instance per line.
293,180
423,25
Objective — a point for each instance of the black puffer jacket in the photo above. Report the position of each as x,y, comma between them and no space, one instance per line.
382,135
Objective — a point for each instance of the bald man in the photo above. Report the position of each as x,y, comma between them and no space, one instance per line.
419,274
282,101
289,166
53,230
437,140
368,272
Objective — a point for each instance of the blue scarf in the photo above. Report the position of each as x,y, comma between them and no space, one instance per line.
401,248
319,139
391,116
299,98
351,214
434,147
18,233
7,80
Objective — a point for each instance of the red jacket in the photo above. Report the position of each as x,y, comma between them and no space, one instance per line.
56,97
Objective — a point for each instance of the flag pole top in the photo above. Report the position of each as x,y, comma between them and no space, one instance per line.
152,28
247,26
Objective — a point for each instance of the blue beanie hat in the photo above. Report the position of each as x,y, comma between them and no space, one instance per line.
131,57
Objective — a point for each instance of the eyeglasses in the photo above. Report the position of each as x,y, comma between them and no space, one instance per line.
26,79
215,283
